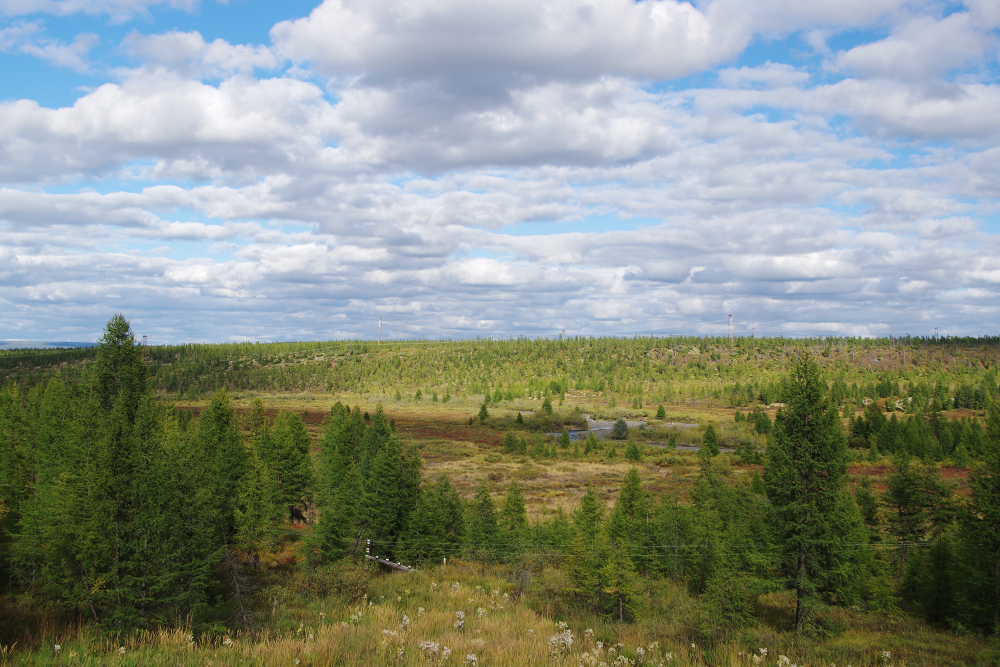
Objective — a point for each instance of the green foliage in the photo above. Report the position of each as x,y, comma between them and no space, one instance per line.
482,529
632,452
661,413
619,431
564,439
289,458
547,406
484,414
710,440
817,523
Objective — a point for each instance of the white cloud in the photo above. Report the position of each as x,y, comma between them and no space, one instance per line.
189,55
921,49
800,198
28,37
118,10
389,41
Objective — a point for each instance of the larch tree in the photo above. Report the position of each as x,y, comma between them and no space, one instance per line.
819,529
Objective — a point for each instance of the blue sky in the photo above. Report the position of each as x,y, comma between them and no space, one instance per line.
251,170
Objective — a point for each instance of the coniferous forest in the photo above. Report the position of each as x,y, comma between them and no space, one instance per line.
757,501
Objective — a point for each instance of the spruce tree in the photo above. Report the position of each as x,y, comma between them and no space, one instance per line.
482,530
661,413
618,582
710,440
629,520
918,503
632,452
292,464
514,516
589,517
255,513
980,536
227,456
564,439
804,471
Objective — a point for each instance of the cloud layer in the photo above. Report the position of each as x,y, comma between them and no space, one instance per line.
458,169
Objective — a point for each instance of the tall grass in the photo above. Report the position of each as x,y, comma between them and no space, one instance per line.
444,616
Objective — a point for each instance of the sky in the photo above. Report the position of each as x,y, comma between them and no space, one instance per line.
257,170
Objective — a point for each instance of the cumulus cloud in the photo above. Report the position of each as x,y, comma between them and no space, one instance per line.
388,41
516,167
189,55
922,49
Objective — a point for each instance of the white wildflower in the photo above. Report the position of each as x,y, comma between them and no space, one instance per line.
429,649
763,652
121,650
58,648
640,652
561,642
588,634
459,620
668,657
421,611
481,613
405,623
434,587
471,660
445,652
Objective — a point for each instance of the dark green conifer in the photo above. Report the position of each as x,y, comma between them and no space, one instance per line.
818,525
710,440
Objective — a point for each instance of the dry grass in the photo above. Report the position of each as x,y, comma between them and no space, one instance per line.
501,627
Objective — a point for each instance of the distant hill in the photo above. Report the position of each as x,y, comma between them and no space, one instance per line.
925,374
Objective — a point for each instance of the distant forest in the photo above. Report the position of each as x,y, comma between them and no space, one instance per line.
925,374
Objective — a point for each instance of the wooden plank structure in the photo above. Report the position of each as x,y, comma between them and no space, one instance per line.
382,561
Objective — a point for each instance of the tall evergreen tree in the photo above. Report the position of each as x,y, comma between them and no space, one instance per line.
226,454
629,520
918,503
482,528
816,523
980,535
514,517
292,464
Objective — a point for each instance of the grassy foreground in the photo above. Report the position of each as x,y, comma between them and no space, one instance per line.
465,614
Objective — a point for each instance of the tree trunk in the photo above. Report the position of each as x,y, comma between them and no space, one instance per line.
800,608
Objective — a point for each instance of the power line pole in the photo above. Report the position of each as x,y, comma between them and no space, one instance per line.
730,328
